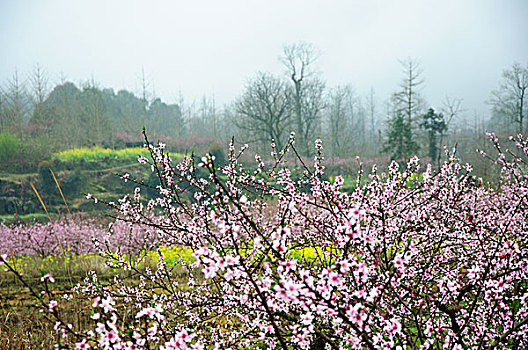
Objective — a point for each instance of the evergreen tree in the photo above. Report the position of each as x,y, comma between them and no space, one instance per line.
400,143
435,125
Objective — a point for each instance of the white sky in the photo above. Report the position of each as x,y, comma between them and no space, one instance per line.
201,47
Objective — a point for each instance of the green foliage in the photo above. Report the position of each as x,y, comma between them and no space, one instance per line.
400,143
435,125
70,183
73,183
98,158
10,146
20,153
10,205
90,116
218,152
27,218
47,184
152,182
171,255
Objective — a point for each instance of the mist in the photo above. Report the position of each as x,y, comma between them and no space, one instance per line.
212,48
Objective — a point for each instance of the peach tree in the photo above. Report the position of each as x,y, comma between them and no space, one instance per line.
413,259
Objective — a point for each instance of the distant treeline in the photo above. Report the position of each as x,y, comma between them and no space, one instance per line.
350,123
79,117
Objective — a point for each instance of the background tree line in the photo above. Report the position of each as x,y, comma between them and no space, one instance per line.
298,99
84,116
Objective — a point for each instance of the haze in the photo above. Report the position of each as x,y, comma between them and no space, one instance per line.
194,48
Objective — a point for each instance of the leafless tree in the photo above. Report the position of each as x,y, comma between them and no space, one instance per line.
38,92
345,122
510,101
408,100
200,118
15,106
308,102
207,117
145,83
94,115
264,110
38,81
451,110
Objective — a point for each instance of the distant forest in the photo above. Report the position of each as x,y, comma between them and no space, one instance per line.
44,118
85,116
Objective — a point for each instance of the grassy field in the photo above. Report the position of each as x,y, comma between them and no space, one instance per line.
24,326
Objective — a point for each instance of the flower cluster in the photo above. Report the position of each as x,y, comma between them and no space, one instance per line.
425,261
76,236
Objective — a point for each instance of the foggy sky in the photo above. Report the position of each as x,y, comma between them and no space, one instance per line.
212,47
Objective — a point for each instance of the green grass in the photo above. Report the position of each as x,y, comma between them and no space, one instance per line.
18,178
23,326
27,218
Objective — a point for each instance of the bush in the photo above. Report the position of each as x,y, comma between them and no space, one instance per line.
10,146
218,152
47,183
21,157
73,183
10,205
439,264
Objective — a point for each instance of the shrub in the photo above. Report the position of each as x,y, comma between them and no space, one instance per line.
10,146
47,183
439,264
72,184
218,152
22,157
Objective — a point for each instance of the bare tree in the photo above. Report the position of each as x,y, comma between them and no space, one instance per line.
187,112
373,132
200,117
408,100
345,122
298,58
145,83
510,101
206,124
225,121
39,90
38,81
451,110
14,103
313,105
264,109
94,115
